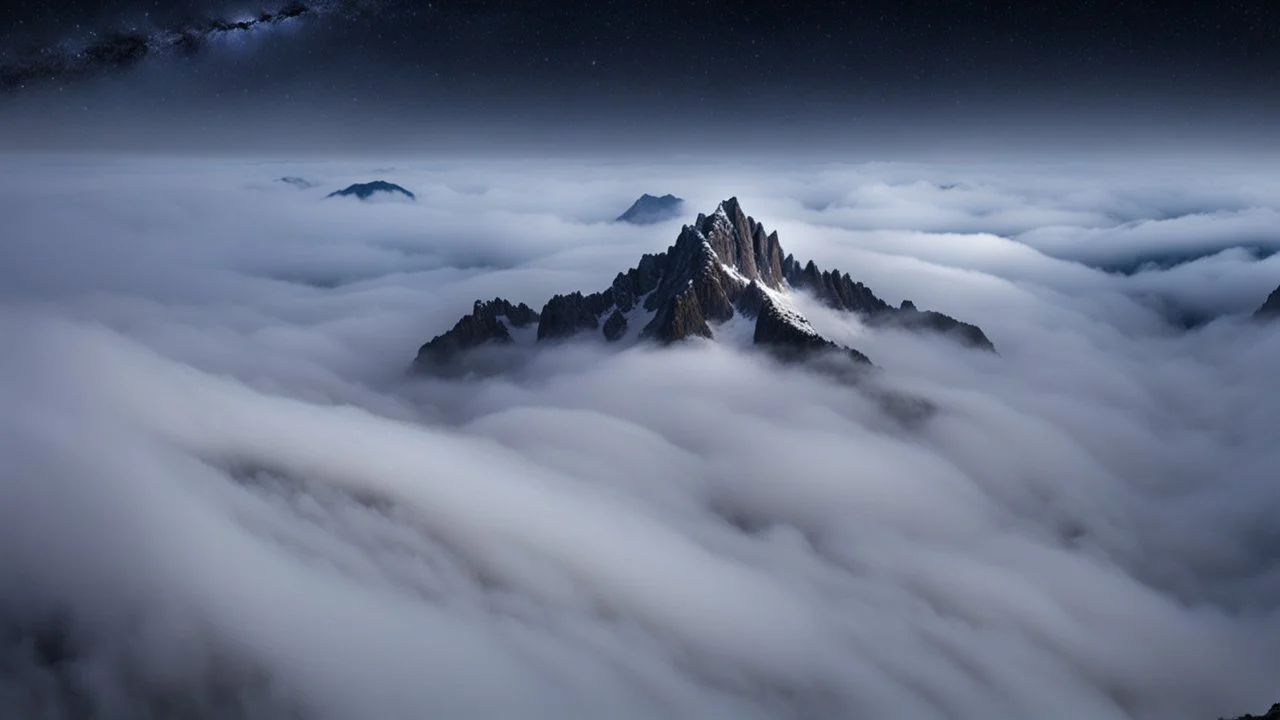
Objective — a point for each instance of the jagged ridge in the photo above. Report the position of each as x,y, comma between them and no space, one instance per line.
483,325
722,266
839,291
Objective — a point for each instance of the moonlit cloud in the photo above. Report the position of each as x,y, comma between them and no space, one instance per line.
223,497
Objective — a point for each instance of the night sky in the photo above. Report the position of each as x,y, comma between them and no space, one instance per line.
367,72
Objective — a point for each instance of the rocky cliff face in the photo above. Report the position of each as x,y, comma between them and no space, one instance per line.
723,267
1270,309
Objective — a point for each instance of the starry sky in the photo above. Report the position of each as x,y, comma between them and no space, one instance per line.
381,71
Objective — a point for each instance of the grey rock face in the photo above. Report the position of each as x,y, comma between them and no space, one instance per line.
1271,308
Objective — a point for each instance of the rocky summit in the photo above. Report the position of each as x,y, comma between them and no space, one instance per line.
1270,309
650,209
364,191
725,277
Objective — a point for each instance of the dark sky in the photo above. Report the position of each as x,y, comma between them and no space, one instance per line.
370,72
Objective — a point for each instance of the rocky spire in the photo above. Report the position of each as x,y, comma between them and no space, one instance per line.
739,242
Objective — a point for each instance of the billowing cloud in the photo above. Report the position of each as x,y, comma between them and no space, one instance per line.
223,496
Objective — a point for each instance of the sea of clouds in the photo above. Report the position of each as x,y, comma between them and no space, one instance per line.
222,496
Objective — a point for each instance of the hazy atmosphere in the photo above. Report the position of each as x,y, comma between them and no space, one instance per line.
229,490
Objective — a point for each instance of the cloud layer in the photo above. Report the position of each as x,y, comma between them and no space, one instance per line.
223,497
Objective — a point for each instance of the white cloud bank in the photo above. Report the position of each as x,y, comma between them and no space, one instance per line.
221,497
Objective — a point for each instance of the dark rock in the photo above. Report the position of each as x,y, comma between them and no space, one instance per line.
694,282
366,190
615,326
717,258
566,315
1271,308
1272,714
649,209
483,325
752,300
789,337
629,287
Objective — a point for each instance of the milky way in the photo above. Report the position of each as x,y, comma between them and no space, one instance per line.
123,49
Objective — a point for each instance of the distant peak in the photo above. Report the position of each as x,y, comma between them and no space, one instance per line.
366,190
300,183
649,209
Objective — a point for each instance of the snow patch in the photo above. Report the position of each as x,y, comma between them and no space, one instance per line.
784,306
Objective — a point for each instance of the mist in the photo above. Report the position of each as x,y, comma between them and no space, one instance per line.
223,495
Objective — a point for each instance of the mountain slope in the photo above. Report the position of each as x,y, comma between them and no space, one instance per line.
723,270
1271,308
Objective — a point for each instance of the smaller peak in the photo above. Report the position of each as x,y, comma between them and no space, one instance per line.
649,209
366,190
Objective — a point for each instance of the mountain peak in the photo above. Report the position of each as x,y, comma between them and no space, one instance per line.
366,190
724,269
741,244
649,209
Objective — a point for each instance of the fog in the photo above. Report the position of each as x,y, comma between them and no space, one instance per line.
223,496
